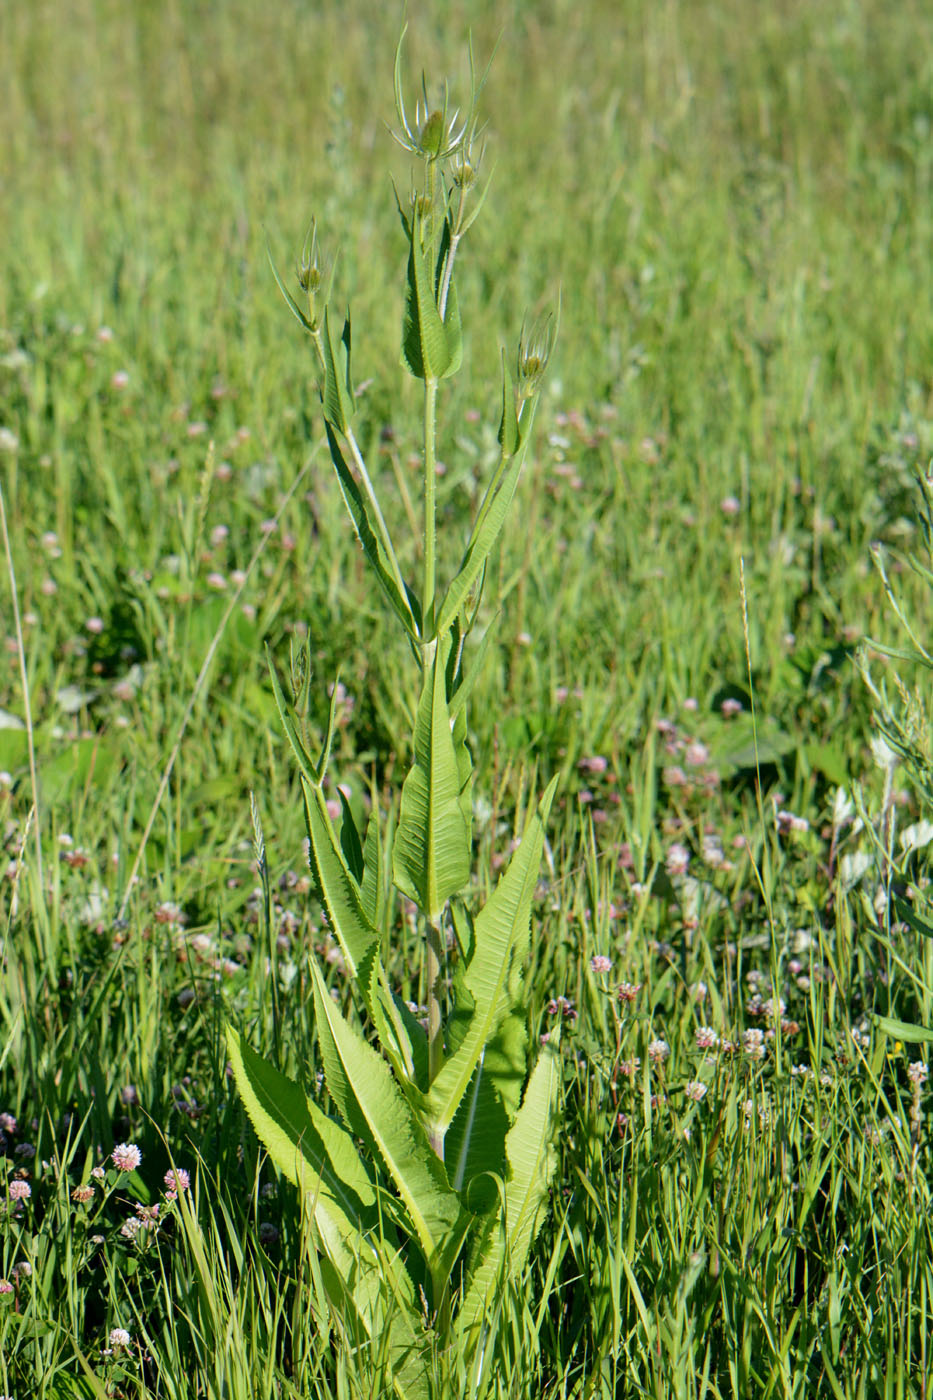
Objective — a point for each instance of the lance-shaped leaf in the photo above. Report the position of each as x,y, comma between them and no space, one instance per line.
501,932
293,306
393,1029
486,531
338,889
314,772
474,1148
373,891
337,395
425,349
307,1147
431,857
372,545
508,424
367,1284
350,842
468,679
453,328
502,1249
375,1109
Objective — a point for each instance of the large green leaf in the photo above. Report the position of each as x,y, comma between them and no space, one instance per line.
432,847
338,889
375,1109
425,349
372,545
307,1147
501,932
501,1249
367,1285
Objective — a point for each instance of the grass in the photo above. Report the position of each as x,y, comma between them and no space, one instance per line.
737,206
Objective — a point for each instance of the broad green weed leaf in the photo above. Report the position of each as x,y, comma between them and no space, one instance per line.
338,889
501,932
502,1249
307,1147
372,545
904,1030
366,1281
374,1108
432,846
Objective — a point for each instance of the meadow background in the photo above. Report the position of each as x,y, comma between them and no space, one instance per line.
736,202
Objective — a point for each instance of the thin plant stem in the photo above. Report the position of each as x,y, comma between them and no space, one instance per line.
430,511
434,955
24,676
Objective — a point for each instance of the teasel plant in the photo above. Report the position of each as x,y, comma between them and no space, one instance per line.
427,1177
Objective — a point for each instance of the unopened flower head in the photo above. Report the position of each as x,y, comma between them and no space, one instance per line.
314,278
534,350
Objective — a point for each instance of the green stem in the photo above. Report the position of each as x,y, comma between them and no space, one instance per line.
430,512
434,955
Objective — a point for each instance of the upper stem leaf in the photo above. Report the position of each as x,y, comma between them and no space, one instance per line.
433,844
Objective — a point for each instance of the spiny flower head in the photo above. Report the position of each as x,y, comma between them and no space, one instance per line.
436,133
